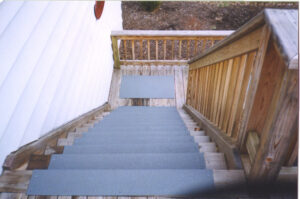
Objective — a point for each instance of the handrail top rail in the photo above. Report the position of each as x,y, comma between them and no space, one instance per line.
288,52
171,33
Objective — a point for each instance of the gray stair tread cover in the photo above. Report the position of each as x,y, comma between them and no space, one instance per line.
138,124
175,182
132,148
129,161
183,131
133,135
141,128
118,140
136,86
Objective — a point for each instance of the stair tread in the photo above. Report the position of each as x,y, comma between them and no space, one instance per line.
120,140
134,151
145,131
176,182
128,161
133,148
133,134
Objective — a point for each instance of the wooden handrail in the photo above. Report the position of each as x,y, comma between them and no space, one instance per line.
247,83
161,47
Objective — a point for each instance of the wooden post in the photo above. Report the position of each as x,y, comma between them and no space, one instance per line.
264,40
278,131
115,48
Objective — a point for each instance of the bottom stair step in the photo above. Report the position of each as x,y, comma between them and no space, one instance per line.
129,161
179,182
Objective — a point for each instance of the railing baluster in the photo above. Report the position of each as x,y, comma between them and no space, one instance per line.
195,47
125,49
203,45
180,43
223,78
141,49
238,89
225,91
156,49
165,49
172,51
213,42
132,46
230,91
188,49
148,46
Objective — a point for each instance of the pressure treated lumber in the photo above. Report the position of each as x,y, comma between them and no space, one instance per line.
22,155
224,143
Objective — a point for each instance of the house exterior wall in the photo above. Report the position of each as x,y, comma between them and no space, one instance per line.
55,64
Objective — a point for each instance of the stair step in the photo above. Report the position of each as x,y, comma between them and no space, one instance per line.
201,139
129,161
135,122
197,133
132,148
73,135
156,128
208,147
65,141
215,160
142,131
136,134
121,140
178,182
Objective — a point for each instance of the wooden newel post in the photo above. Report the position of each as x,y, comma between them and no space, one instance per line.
278,132
115,48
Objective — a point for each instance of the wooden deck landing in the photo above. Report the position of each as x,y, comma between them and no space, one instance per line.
180,75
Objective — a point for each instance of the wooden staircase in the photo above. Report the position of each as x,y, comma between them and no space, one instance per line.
218,94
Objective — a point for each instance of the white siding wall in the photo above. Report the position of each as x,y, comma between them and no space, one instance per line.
55,64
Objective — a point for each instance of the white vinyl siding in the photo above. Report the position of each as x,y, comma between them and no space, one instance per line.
56,64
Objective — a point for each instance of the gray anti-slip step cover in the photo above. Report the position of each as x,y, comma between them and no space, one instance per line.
137,86
175,182
129,161
133,148
134,151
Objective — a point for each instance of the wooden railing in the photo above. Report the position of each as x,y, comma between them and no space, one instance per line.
246,86
161,47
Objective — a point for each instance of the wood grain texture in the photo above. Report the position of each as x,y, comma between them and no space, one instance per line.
279,129
272,71
15,181
115,48
224,143
22,155
252,87
181,42
245,44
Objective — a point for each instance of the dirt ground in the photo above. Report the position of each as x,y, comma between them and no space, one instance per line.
182,15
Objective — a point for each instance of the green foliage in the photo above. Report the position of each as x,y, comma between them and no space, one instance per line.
150,5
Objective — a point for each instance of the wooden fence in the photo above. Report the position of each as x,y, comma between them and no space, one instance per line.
161,47
246,86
